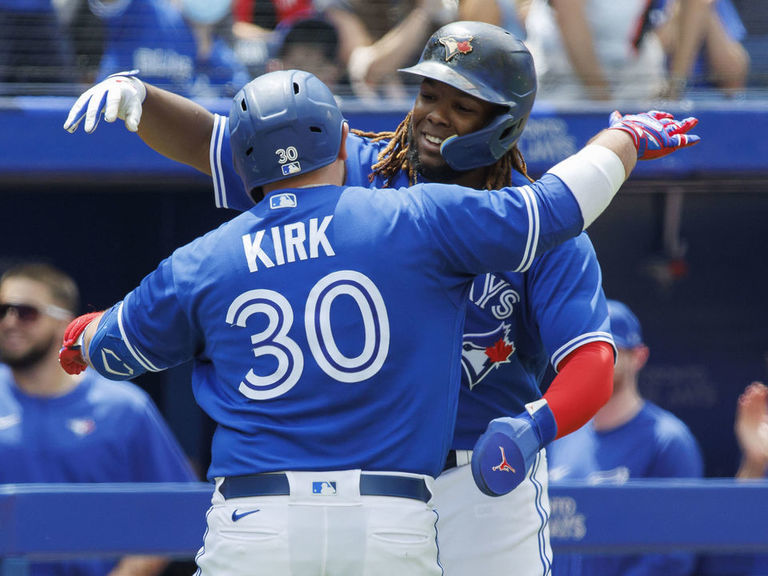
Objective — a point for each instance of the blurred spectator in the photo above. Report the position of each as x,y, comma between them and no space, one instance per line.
86,32
595,49
310,44
377,38
185,49
754,15
702,39
254,24
34,47
507,14
628,438
71,429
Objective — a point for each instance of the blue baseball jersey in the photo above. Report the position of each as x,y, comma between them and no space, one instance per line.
326,322
153,37
516,322
653,444
101,431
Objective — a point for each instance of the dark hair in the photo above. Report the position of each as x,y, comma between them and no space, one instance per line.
316,31
394,158
62,287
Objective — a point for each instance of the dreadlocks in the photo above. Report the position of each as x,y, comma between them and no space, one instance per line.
394,158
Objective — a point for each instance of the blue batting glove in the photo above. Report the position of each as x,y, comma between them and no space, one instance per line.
504,454
655,133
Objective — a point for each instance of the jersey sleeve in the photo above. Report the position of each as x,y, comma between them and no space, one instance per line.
147,332
565,285
228,189
468,224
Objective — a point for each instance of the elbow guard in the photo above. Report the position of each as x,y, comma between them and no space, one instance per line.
505,452
109,353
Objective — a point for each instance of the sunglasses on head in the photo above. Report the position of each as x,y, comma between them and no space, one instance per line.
30,313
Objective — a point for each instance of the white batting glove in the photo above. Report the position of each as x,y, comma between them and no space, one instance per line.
118,96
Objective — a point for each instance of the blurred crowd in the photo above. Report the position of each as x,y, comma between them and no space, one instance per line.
586,49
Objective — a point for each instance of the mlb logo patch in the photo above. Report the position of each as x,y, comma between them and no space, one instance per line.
324,488
81,426
291,168
285,200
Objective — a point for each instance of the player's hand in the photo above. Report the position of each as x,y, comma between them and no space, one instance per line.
505,452
70,355
118,96
655,133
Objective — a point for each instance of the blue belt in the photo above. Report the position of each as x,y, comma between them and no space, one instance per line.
370,485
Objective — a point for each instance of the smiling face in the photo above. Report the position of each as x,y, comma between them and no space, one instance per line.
26,342
441,111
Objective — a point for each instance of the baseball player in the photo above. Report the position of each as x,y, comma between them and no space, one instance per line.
332,373
57,428
517,322
629,437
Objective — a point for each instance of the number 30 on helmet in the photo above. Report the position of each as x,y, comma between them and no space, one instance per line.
282,124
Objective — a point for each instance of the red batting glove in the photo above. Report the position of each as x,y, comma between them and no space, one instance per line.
70,355
655,133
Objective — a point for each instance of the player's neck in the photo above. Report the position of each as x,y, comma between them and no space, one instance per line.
623,405
45,378
472,178
331,175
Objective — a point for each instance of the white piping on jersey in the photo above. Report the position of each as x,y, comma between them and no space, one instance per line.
217,171
543,513
140,358
534,226
586,338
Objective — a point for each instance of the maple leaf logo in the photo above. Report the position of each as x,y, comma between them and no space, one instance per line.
464,47
454,46
500,351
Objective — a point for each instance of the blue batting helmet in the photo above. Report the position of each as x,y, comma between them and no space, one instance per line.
488,63
625,326
282,124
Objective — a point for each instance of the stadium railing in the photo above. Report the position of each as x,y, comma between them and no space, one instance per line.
54,521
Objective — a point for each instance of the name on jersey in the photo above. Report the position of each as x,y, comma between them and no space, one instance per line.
288,243
495,294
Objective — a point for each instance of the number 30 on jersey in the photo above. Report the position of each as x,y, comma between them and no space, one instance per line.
274,339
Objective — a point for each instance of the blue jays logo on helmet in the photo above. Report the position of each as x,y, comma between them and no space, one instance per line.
491,64
455,45
481,353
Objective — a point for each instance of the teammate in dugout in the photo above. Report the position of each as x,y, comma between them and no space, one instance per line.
516,319
58,428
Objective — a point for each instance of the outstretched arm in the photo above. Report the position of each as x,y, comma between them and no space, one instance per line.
177,128
612,154
172,125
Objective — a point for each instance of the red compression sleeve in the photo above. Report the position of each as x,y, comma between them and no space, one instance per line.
583,384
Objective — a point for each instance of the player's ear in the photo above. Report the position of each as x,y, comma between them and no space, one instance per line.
343,147
641,356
